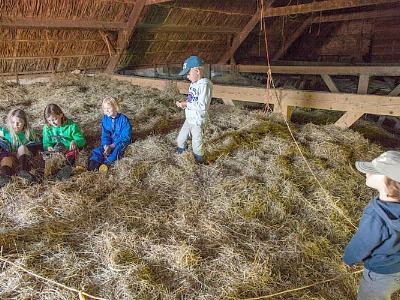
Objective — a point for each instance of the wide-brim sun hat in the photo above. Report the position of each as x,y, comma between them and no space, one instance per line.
388,164
191,62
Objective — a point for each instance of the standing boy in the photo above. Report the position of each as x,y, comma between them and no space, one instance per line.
196,106
377,241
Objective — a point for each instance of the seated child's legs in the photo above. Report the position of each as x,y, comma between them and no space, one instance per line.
96,159
71,157
6,165
116,154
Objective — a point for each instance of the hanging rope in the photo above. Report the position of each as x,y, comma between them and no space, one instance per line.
300,288
270,83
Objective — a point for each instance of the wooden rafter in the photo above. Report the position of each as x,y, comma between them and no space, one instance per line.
151,2
321,6
241,36
51,23
125,34
110,47
153,28
383,13
293,37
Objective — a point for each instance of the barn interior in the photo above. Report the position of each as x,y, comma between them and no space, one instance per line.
302,90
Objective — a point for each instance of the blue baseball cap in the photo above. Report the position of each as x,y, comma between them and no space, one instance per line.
191,62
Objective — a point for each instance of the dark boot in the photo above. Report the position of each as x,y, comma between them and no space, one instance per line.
181,150
64,173
93,165
199,158
5,173
23,162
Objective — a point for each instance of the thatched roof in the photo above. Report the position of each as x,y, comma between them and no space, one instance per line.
54,36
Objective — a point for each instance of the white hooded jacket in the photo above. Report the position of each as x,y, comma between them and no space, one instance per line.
198,101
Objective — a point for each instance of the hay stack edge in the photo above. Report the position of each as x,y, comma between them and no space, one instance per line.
254,221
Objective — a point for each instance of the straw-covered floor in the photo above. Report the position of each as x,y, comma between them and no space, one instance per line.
254,221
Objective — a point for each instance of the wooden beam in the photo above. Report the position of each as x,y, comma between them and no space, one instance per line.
152,2
110,47
348,119
372,104
315,70
363,83
241,36
153,28
55,56
329,82
321,6
125,35
374,14
292,38
395,91
51,23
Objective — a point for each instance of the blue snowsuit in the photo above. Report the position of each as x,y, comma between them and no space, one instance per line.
115,131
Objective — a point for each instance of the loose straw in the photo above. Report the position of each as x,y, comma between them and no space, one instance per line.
80,293
300,288
270,82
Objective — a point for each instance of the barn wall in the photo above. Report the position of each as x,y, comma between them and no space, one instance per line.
385,46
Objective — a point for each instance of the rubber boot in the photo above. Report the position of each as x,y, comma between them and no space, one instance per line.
93,165
5,173
64,173
23,169
199,158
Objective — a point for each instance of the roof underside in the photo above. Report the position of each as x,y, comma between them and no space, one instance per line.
40,36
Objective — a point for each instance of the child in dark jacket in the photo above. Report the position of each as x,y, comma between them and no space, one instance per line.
377,241
115,137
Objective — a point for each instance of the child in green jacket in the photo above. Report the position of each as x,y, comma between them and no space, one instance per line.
16,138
61,134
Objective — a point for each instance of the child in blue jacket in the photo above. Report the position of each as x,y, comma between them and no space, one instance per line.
115,137
377,241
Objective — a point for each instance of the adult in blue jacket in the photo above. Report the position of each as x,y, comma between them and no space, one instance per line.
377,240
115,136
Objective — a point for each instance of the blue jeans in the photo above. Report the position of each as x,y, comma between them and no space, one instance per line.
374,286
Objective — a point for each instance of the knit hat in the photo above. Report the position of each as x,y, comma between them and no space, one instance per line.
191,62
388,164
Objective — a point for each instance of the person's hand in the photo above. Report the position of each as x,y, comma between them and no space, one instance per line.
181,104
50,148
72,146
108,149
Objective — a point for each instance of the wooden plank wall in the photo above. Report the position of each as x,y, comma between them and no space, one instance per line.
353,104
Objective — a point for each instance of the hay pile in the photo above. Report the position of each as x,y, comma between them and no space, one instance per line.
252,222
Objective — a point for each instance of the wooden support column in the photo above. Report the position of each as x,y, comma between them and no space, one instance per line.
228,101
125,34
395,91
363,84
329,82
350,118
